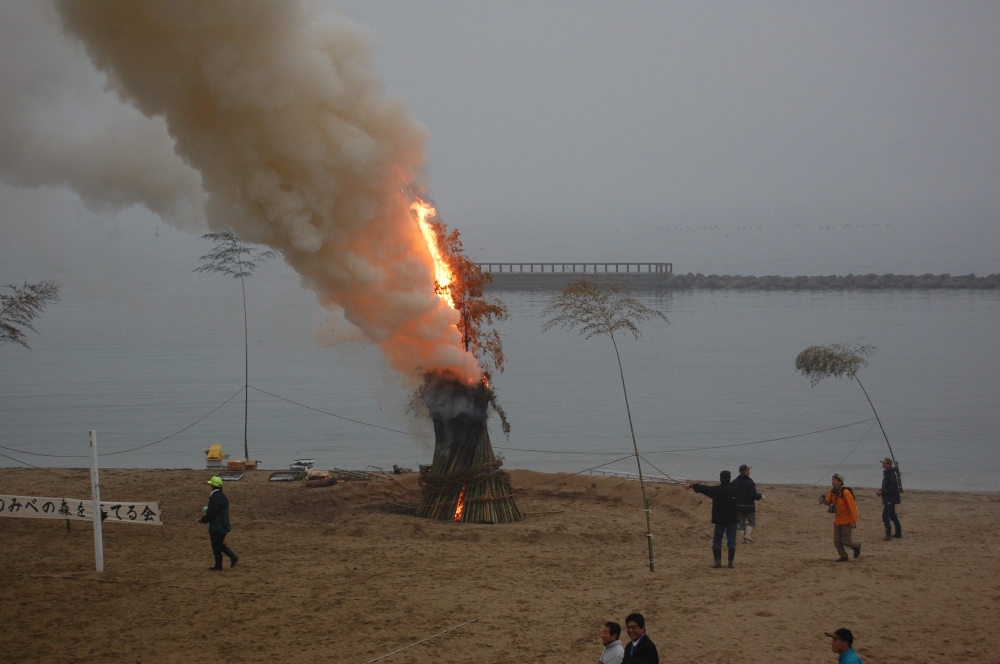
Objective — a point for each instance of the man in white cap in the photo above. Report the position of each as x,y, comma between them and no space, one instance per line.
217,517
845,516
746,495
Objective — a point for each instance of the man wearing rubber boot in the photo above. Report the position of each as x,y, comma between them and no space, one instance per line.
746,496
890,498
845,516
724,515
217,517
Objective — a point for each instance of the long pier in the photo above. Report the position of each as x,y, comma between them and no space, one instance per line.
533,276
660,276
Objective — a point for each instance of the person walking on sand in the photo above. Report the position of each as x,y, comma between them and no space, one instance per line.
217,517
613,653
845,517
746,495
890,498
724,515
843,645
640,648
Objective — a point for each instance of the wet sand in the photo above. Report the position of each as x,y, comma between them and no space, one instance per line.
347,573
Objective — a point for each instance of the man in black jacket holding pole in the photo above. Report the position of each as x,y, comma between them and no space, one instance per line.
724,515
890,498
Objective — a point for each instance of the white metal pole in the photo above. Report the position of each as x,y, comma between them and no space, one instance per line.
95,493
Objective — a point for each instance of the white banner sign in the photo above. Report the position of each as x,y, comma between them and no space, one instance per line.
33,507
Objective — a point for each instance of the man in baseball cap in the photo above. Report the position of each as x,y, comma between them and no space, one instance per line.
843,645
845,516
746,495
890,498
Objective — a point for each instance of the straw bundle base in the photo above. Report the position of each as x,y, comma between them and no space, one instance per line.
465,482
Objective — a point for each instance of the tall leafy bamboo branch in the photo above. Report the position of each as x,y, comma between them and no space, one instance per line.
604,310
477,312
233,258
837,361
20,307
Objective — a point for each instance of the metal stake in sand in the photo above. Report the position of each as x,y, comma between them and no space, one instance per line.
95,498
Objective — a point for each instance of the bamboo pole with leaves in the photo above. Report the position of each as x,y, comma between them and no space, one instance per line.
22,306
837,361
603,310
236,259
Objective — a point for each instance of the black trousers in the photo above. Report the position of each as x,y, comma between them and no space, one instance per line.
889,514
219,547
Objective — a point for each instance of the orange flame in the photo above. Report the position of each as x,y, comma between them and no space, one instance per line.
460,506
443,276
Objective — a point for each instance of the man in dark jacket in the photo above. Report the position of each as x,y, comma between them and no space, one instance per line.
217,517
746,495
724,515
639,647
890,498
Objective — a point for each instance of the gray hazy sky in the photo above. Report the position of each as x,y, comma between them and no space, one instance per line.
581,110
568,130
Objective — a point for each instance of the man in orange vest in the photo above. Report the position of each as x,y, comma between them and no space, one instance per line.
845,518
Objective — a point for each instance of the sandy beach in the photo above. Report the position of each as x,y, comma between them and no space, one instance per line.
347,574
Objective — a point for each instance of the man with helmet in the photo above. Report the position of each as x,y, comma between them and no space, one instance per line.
217,517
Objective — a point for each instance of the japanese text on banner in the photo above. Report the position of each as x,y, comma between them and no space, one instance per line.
35,507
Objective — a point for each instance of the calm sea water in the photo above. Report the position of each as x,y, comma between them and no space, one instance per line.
140,347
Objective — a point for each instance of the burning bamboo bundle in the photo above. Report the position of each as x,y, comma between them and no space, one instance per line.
464,481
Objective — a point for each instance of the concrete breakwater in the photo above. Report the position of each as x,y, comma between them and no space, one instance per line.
691,281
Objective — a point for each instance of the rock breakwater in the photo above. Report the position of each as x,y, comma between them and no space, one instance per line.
833,282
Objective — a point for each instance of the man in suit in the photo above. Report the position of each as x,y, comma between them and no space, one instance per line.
639,648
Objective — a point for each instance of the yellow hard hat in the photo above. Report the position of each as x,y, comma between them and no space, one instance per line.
216,481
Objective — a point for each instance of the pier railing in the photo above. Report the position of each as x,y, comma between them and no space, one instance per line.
580,268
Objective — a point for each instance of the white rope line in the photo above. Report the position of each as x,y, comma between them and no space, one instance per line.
846,455
398,650
691,449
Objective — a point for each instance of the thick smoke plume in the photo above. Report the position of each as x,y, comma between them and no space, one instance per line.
59,126
281,114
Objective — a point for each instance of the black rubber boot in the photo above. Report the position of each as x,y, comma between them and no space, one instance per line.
899,531
888,535
229,554
857,550
218,563
732,554
717,554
